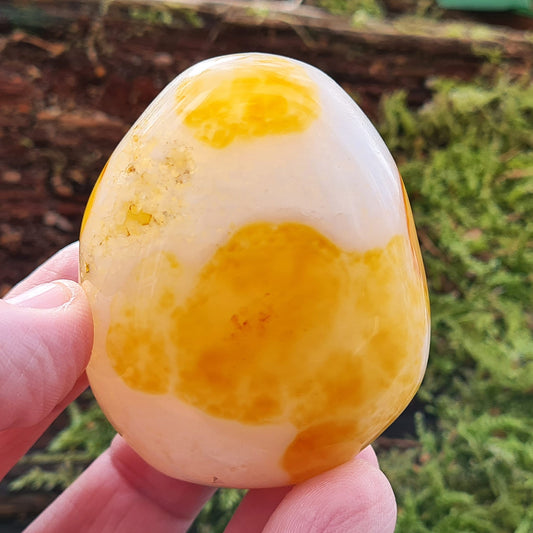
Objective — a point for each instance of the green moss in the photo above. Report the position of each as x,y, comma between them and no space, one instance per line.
165,15
216,514
467,161
86,436
152,15
370,8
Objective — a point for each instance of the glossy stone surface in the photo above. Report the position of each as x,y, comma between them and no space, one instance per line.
259,298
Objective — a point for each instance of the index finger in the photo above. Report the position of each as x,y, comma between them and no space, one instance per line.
43,352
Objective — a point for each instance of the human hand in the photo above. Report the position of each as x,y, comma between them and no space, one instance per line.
46,338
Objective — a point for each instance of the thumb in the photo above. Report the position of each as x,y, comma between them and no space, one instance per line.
45,344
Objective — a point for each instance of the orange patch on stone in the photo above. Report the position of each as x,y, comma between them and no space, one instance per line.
282,325
90,202
413,239
248,100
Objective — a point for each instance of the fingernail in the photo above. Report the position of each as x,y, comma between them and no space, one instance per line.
45,296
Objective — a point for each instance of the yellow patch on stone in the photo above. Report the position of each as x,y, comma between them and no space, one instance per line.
90,202
248,100
282,324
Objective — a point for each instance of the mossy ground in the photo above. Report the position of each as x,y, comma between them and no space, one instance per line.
467,161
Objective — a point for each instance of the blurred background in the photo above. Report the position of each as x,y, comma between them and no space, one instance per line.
449,86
